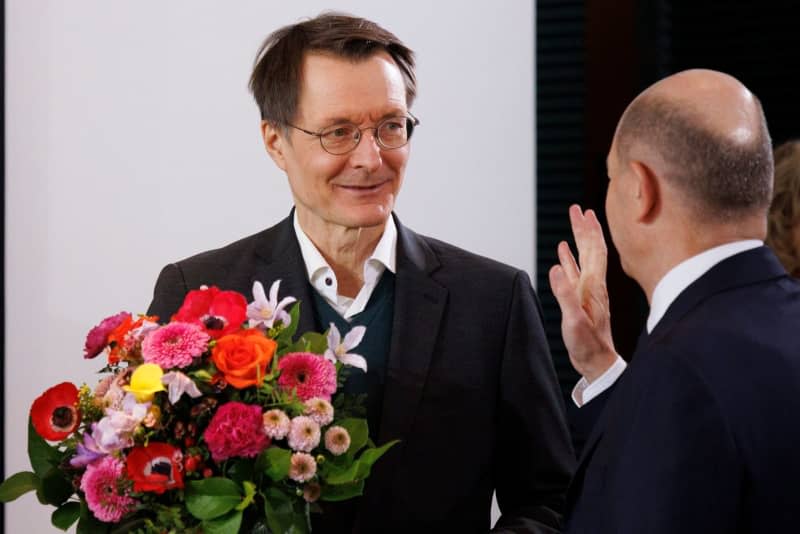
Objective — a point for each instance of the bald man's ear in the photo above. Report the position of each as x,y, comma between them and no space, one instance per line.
648,195
275,143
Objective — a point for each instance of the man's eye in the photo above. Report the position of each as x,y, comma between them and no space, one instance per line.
340,131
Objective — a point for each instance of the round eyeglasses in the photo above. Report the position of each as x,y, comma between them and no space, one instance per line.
390,133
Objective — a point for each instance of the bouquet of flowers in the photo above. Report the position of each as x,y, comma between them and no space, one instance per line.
219,421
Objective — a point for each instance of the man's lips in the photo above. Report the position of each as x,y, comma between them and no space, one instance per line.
366,188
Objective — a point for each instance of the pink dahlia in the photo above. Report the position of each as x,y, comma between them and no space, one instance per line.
175,345
97,338
303,467
236,429
104,494
311,375
319,410
304,434
337,440
276,423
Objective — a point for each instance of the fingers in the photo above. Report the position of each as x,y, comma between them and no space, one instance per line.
567,261
592,251
564,291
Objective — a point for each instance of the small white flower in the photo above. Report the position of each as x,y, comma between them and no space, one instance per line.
177,384
338,349
263,311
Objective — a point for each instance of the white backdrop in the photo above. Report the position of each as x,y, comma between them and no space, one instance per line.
131,141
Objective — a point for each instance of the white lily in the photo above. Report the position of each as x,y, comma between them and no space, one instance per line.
339,349
263,311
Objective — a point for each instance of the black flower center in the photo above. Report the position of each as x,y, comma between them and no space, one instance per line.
214,323
161,468
63,417
301,377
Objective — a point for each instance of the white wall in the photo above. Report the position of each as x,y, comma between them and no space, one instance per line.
131,141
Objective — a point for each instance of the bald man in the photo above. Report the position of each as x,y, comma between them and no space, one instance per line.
699,433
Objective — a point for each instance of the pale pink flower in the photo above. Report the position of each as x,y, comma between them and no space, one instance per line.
264,312
276,423
174,345
309,374
339,349
101,485
319,410
303,467
337,440
177,384
304,434
312,491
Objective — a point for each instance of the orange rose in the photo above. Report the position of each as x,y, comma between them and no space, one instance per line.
243,357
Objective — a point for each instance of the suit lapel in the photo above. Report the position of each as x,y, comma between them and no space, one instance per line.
278,257
418,310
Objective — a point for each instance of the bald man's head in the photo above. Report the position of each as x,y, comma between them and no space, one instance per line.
705,133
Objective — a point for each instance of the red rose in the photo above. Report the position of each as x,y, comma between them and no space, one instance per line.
156,467
54,413
219,312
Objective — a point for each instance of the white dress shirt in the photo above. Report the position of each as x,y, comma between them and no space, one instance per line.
323,279
667,290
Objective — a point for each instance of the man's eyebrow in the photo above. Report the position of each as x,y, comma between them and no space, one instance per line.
330,121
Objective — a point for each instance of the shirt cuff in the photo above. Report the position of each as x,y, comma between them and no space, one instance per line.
583,391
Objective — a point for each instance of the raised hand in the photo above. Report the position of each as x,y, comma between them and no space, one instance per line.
580,289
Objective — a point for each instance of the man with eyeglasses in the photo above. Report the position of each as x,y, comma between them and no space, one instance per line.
458,365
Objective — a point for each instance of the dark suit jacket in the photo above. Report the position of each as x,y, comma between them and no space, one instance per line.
700,434
470,388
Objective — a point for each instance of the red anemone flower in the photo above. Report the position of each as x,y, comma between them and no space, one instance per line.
54,413
156,467
219,312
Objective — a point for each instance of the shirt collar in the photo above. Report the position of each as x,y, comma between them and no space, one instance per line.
385,252
686,272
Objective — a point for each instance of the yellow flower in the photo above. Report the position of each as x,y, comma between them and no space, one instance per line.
145,382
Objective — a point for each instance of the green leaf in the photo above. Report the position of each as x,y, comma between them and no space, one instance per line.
359,434
315,342
342,492
43,457
227,524
56,488
18,484
335,474
294,314
212,497
276,462
241,470
370,456
285,514
66,515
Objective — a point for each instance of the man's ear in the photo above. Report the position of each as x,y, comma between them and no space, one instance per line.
275,143
647,192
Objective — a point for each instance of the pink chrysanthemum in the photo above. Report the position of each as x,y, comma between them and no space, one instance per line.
304,434
303,467
174,345
276,423
312,491
237,429
310,374
319,410
97,338
101,485
337,440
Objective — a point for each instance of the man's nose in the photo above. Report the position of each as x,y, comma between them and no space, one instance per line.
367,154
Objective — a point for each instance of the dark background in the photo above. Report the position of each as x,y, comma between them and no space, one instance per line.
592,58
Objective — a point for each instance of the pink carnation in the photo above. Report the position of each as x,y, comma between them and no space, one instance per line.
304,434
97,338
104,496
319,410
174,345
337,440
303,467
311,375
276,423
236,429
